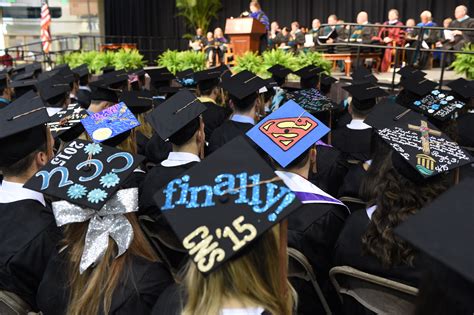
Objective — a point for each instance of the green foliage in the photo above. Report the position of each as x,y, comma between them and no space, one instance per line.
249,61
128,59
464,63
102,60
279,57
177,61
315,59
198,13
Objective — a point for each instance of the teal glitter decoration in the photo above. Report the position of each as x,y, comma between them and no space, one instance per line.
109,180
96,195
76,191
93,148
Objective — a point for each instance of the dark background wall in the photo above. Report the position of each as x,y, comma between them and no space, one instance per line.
158,18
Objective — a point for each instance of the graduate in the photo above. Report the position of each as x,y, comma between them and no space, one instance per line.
84,92
309,76
105,264
231,235
55,93
22,87
27,228
178,121
208,92
243,94
315,227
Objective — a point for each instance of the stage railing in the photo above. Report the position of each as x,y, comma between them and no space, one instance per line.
418,49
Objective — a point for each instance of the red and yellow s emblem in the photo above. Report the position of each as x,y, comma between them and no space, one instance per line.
286,132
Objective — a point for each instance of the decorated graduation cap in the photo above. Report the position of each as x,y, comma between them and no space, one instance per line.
22,128
364,96
87,176
112,125
243,85
438,104
411,72
363,75
81,71
186,77
66,124
24,86
463,89
104,94
176,113
53,89
138,101
218,207
287,133
311,100
420,149
443,230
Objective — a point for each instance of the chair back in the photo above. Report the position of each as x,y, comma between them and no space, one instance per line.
12,304
379,295
299,267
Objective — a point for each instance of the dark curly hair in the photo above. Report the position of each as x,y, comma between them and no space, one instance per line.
397,199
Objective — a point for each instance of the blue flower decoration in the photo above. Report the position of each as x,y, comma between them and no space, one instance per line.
435,106
76,191
441,96
443,102
450,98
418,103
109,180
93,148
96,195
435,92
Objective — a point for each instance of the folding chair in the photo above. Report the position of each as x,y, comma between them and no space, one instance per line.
299,267
380,295
12,304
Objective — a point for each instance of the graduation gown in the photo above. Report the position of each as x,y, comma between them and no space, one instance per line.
28,236
213,117
142,142
157,149
355,144
331,169
226,132
351,184
140,285
84,98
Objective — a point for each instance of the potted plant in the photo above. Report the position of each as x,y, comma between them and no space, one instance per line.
176,61
198,13
464,63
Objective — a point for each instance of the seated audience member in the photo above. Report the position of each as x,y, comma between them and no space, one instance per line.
210,49
390,36
105,265
315,25
314,227
460,37
360,33
445,35
6,91
331,27
274,35
410,29
243,94
285,38
220,43
185,132
196,43
243,279
428,39
296,36
28,232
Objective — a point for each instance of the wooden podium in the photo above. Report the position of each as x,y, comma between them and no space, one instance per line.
244,34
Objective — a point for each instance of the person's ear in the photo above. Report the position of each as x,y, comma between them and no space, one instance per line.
41,159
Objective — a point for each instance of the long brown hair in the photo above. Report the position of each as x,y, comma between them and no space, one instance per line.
92,291
398,198
252,278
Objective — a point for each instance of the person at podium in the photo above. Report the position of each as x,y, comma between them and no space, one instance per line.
257,13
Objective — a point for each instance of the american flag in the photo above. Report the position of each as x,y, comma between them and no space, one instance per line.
45,23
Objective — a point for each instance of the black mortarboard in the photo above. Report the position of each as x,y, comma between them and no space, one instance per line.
137,72
66,124
90,175
243,84
418,144
108,69
103,94
411,72
363,75
207,79
22,128
463,88
184,74
138,101
20,68
233,192
24,86
25,75
3,81
81,71
364,95
67,74
279,71
52,88
115,78
225,72
170,90
327,80
160,74
418,86
309,72
437,104
175,113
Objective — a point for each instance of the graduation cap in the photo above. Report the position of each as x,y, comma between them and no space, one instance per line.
437,104
363,75
66,124
138,101
309,72
137,72
175,113
112,124
419,86
207,79
108,69
22,128
90,172
287,133
364,96
225,72
233,197
115,79
279,71
411,72
67,74
24,86
52,88
420,149
170,90
243,84
103,94
23,75
327,80
311,100
81,71
462,88
160,76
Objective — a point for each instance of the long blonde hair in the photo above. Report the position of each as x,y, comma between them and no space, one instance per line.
92,291
145,128
252,278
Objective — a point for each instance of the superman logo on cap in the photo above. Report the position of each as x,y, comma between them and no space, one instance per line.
286,132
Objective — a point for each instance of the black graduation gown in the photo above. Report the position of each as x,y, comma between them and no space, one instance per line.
348,251
351,185
142,142
83,98
28,236
331,169
138,289
466,130
313,230
157,150
134,180
226,132
355,144
157,178
213,117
